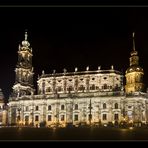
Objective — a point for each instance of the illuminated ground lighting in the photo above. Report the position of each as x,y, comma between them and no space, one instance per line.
131,128
19,129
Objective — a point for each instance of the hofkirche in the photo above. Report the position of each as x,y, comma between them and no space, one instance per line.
76,98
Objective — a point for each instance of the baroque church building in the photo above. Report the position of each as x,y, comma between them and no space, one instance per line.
77,98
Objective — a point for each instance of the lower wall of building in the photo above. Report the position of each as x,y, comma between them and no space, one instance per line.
78,111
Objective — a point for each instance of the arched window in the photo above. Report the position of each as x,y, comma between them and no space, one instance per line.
76,106
116,105
82,88
62,117
116,117
76,117
104,105
70,88
93,87
49,107
62,107
104,116
36,118
105,86
26,118
49,118
48,89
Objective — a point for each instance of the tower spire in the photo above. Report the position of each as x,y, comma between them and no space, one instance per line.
25,43
134,41
26,35
134,74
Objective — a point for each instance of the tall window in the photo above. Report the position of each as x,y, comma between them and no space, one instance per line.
59,89
49,107
27,108
116,117
49,117
81,88
76,118
104,105
62,118
37,118
37,108
76,106
26,118
104,117
116,105
93,87
62,107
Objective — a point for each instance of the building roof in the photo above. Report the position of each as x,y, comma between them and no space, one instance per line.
80,73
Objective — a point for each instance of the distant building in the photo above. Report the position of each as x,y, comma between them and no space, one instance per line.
3,110
78,98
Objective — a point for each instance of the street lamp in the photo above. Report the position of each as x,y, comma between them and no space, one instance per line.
32,113
32,117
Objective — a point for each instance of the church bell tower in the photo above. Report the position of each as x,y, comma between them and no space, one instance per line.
24,70
134,74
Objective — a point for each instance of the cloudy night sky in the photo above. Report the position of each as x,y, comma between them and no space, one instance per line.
69,37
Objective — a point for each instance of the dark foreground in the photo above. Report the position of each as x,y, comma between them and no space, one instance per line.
15,133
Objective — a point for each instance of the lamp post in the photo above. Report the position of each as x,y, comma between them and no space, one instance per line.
57,113
72,111
44,113
32,113
32,117
66,111
19,109
90,112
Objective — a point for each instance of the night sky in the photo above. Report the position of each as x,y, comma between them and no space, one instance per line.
69,37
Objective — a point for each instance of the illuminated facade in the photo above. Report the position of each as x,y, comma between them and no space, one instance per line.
78,98
3,111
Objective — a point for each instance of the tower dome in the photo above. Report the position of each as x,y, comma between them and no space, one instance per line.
25,43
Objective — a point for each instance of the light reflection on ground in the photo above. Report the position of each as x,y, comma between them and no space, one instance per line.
93,133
